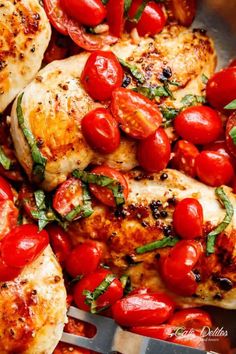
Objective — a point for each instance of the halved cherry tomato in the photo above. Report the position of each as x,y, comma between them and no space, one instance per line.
63,348
104,194
231,123
90,282
221,88
89,13
22,245
163,332
183,11
154,152
152,20
115,16
68,196
190,339
198,124
191,318
143,310
8,273
27,200
213,168
57,16
5,190
101,131
15,172
83,259
137,115
101,75
57,48
60,242
184,159
188,219
8,216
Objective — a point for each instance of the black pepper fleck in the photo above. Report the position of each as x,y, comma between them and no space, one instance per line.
163,176
163,214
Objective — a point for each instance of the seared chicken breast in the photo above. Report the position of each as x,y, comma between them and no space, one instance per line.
24,36
33,308
55,102
121,231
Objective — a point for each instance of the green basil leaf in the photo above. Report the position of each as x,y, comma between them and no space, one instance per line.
211,237
152,92
204,79
192,100
231,105
126,283
4,160
39,196
134,70
105,2
169,115
127,6
139,11
84,210
165,242
44,217
232,133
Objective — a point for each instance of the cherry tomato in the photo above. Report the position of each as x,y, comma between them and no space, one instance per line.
188,219
185,285
57,48
83,259
63,348
57,16
115,16
68,196
183,11
231,123
90,282
184,159
232,63
218,146
198,124
8,216
27,200
60,242
162,332
221,88
101,75
191,318
213,168
101,131
189,339
137,115
154,152
23,244
152,20
89,13
8,273
104,194
5,190
143,310
15,172
142,290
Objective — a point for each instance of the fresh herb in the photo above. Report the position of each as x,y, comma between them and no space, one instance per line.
204,79
84,210
102,181
165,242
126,283
192,100
134,70
39,162
211,237
232,133
105,2
4,160
231,105
92,296
139,11
152,92
40,199
127,6
169,114
20,219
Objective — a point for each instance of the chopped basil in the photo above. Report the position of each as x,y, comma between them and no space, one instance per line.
232,133
4,160
39,161
126,283
134,70
105,2
127,5
165,242
102,181
169,114
84,210
152,92
211,237
139,11
20,219
204,79
92,296
40,199
231,105
192,100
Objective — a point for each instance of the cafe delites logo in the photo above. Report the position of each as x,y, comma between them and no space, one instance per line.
206,332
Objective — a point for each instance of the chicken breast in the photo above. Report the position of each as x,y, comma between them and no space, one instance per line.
24,37
122,231
33,308
55,102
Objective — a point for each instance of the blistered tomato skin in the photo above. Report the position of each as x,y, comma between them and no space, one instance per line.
198,125
60,242
188,219
101,75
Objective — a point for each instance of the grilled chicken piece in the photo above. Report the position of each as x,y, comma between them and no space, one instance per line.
55,102
24,37
122,231
33,308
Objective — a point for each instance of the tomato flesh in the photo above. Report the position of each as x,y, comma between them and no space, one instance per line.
183,11
8,216
60,242
57,16
27,200
5,190
184,159
231,123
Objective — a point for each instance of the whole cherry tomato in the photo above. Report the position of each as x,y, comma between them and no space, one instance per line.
213,168
83,259
27,200
101,131
22,245
188,219
218,146
68,196
89,13
221,88
60,242
8,216
190,339
186,285
5,190
101,75
163,332
143,310
154,152
8,273
191,318
231,123
104,194
152,20
90,282
183,11
184,159
115,16
137,115
198,124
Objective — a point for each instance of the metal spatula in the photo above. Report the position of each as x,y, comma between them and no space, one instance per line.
110,338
